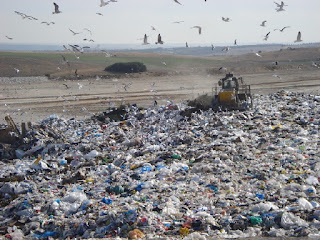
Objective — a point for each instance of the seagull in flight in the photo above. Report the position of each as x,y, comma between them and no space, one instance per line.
48,23
103,3
258,55
159,39
65,48
145,40
65,61
226,19
280,6
298,37
178,22
177,2
99,14
263,24
225,49
74,33
88,30
76,48
281,30
266,36
199,29
56,8
16,70
10,38
153,28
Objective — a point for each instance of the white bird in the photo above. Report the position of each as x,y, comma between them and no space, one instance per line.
226,19
74,33
281,30
159,39
277,76
48,23
199,28
164,63
103,3
314,64
225,49
65,61
280,9
76,48
16,70
88,30
266,36
263,24
65,48
258,55
281,5
145,40
298,37
177,2
107,54
56,9
10,38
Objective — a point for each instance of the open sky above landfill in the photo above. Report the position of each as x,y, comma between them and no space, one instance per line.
126,21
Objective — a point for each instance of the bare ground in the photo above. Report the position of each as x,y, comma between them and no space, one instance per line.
34,98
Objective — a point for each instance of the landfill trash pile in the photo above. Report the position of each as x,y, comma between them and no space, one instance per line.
158,174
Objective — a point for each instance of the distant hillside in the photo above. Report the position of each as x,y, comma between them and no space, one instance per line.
234,50
200,51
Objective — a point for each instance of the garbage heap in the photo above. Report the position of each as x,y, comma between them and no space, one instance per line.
159,173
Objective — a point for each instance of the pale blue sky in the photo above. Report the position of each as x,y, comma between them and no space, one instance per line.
126,21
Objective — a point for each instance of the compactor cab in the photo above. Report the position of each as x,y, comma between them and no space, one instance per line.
233,94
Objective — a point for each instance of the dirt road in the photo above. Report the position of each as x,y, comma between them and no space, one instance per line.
35,98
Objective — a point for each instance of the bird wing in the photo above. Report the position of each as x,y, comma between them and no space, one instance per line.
56,7
278,5
199,28
284,28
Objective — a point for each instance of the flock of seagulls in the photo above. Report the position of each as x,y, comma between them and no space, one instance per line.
279,7
78,49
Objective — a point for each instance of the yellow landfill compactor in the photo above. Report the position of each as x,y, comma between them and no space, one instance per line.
233,95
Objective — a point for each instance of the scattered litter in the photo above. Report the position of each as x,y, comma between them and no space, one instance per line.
154,173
